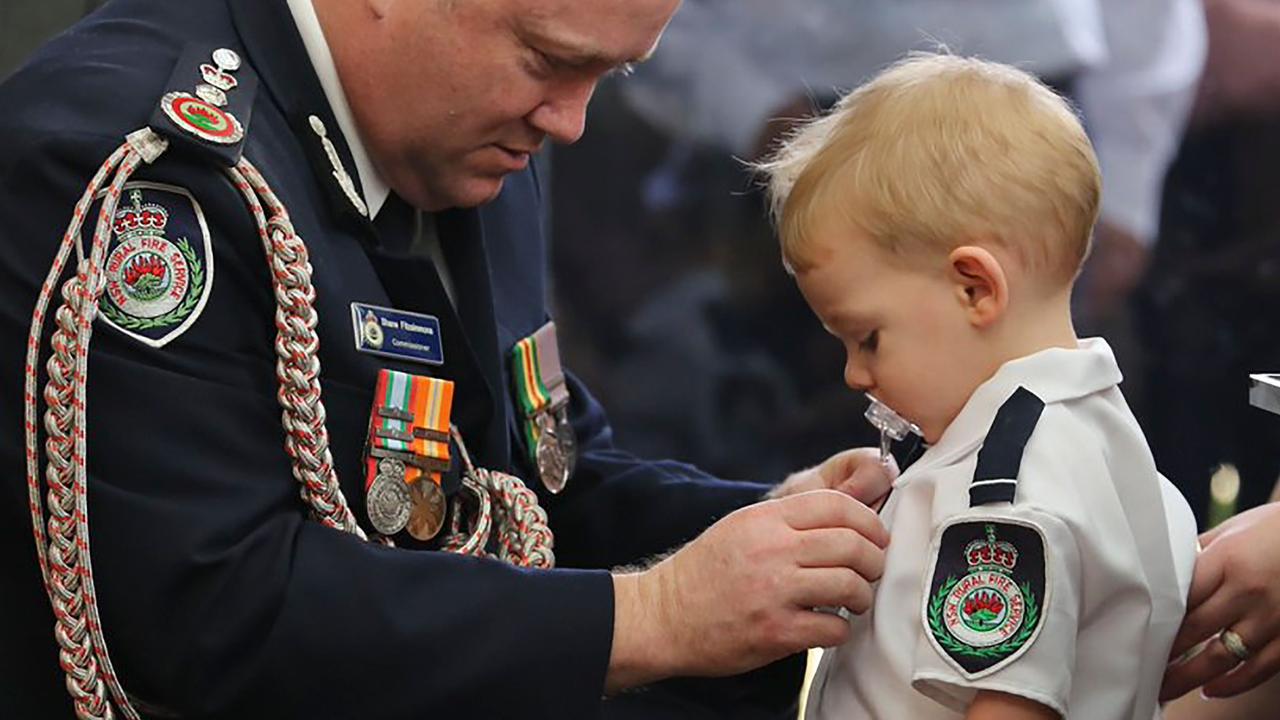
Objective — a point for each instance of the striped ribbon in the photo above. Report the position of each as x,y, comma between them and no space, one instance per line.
427,403
531,392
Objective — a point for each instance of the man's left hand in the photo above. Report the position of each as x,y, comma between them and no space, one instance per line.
858,473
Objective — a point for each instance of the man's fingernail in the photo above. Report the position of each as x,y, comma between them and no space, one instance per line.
1205,697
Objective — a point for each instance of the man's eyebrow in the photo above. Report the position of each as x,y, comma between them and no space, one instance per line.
583,55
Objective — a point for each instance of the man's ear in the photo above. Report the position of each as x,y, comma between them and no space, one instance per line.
980,284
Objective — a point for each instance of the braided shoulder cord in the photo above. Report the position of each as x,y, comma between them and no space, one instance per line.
297,361
64,555
63,552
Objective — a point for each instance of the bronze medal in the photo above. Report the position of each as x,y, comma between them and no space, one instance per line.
426,516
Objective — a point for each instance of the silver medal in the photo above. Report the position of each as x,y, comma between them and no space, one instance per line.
553,465
389,504
568,441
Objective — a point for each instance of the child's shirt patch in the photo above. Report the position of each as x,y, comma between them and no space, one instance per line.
988,593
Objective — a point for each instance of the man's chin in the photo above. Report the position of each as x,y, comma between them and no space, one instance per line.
465,192
475,191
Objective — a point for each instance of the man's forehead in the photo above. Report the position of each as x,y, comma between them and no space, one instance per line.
610,32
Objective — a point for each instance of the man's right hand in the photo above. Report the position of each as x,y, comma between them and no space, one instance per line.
742,594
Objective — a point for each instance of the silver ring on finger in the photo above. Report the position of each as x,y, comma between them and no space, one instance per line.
1234,644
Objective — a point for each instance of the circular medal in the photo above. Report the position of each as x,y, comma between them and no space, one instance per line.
553,467
202,118
389,504
426,517
226,59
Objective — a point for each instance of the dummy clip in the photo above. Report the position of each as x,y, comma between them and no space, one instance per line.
891,425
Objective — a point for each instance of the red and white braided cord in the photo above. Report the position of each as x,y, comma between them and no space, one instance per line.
64,556
297,359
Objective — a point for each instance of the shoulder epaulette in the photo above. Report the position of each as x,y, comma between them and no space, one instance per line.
207,103
996,477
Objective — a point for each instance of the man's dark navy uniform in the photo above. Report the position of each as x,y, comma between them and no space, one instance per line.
219,597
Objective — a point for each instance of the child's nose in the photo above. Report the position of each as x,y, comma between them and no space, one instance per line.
857,376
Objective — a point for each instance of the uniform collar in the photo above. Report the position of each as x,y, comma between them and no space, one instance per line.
1055,375
371,182
273,45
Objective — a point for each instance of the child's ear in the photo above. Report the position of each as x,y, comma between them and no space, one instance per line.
980,284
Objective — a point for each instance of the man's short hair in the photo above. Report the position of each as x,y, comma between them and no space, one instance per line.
939,151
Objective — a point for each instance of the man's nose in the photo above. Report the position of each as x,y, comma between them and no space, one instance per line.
563,115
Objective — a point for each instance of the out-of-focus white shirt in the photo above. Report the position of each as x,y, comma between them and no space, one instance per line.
725,65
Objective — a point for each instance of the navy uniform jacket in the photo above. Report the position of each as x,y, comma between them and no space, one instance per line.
218,596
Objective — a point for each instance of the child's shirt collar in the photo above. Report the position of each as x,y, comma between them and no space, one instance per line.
1054,375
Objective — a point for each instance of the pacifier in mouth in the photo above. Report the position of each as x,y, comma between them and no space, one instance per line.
891,425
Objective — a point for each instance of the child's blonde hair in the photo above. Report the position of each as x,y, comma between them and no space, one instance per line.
939,151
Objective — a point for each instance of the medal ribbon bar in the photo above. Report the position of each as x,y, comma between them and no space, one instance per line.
410,421
539,381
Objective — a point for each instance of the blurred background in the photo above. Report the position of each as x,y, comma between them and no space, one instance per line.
673,305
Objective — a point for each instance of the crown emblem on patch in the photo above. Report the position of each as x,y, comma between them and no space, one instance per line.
991,554
140,219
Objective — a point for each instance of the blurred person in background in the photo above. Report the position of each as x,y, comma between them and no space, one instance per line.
729,70
723,85
1209,309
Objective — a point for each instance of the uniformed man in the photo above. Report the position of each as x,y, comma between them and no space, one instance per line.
301,305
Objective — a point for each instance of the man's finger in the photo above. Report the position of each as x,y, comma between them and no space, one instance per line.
871,482
833,587
830,509
811,629
840,547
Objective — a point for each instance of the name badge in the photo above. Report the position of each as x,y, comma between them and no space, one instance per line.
397,334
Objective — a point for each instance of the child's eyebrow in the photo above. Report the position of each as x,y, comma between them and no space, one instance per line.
852,320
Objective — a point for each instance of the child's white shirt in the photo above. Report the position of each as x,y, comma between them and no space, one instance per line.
1080,616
